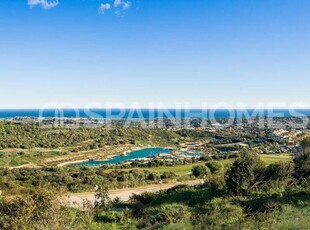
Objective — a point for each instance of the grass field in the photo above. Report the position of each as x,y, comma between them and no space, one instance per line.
272,158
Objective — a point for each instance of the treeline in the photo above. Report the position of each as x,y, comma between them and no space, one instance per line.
27,136
76,179
81,179
157,162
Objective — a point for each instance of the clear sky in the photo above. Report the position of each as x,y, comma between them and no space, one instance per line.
160,51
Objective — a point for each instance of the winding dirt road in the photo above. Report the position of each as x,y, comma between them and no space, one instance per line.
77,199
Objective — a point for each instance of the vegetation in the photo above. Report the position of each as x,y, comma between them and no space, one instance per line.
28,136
27,143
23,143
242,174
75,179
249,195
240,188
201,171
81,179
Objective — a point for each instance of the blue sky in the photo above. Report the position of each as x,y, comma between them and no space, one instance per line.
154,51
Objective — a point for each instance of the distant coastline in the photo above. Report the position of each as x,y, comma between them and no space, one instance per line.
147,113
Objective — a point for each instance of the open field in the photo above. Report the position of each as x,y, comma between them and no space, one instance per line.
272,158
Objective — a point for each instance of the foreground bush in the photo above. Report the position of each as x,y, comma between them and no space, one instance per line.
39,211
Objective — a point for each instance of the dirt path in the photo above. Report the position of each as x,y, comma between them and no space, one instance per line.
29,166
76,199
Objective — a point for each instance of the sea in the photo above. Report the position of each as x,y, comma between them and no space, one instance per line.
151,113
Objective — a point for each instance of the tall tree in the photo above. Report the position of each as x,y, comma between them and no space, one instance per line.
244,173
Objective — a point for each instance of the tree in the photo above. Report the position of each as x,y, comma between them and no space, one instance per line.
281,171
278,176
302,166
305,146
103,201
244,173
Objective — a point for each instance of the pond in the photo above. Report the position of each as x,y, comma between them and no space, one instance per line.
136,154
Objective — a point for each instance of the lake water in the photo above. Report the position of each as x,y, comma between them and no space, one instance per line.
136,154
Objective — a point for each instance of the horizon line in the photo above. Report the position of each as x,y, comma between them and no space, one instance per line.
168,108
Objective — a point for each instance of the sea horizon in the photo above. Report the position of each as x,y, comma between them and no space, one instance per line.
138,113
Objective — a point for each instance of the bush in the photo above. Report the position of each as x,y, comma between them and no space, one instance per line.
38,210
168,175
165,215
302,167
244,173
178,188
145,198
220,214
276,177
305,146
215,166
200,171
279,171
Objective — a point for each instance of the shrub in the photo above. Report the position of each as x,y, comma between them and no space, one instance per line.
200,171
244,173
168,175
144,198
215,166
220,214
165,215
178,188
302,167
